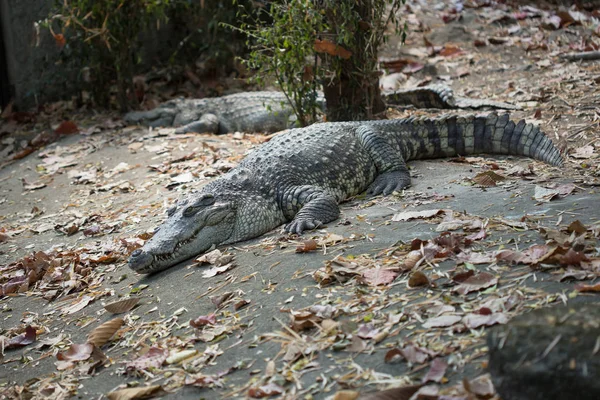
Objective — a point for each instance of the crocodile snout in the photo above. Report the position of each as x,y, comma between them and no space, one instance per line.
139,261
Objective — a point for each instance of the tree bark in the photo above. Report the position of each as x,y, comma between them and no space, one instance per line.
354,93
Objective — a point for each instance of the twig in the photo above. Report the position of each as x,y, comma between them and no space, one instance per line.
586,56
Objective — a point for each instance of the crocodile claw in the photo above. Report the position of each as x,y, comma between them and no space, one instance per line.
389,183
300,225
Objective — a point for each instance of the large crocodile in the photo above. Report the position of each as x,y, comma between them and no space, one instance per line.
301,175
271,112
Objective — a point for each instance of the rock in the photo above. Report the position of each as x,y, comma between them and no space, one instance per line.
550,353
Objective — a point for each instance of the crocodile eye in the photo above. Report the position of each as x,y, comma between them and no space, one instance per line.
171,211
207,199
189,211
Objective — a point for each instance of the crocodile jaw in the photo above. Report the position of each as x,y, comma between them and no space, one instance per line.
180,238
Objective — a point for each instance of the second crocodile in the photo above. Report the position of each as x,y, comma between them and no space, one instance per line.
271,112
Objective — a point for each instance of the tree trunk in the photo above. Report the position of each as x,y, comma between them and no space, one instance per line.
354,93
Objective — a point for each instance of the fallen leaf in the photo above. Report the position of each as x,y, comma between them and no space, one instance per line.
32,185
204,320
220,299
379,276
67,128
474,321
135,393
240,304
346,395
487,178
408,215
80,304
181,355
588,288
102,334
268,390
401,393
217,270
583,152
21,340
481,387
476,282
577,227
122,306
418,278
154,358
442,321
414,354
450,50
307,246
357,345
392,355
77,352
437,370
547,194
215,257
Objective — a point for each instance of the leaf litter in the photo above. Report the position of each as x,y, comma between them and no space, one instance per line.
462,278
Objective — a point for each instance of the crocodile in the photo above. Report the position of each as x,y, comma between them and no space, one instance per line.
300,176
271,111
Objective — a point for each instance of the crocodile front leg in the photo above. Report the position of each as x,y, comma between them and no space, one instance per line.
392,172
208,123
314,207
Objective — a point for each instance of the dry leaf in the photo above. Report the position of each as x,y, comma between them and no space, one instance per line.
417,279
307,246
588,288
268,390
204,320
379,276
21,340
401,393
209,273
179,356
487,178
67,128
325,46
346,395
102,334
122,306
412,259
154,358
436,371
406,216
474,321
442,321
77,352
476,282
135,393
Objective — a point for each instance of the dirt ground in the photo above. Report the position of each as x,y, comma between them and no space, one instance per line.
384,297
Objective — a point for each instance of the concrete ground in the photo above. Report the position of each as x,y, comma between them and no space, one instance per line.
284,323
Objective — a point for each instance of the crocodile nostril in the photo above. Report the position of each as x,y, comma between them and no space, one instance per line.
136,253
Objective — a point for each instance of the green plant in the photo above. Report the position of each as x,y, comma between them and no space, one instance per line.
280,39
104,36
332,43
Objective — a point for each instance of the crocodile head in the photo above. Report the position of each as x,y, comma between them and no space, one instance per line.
192,227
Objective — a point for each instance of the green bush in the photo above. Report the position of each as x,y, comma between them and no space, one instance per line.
103,36
328,43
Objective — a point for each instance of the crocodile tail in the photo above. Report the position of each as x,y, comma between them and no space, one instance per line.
453,135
